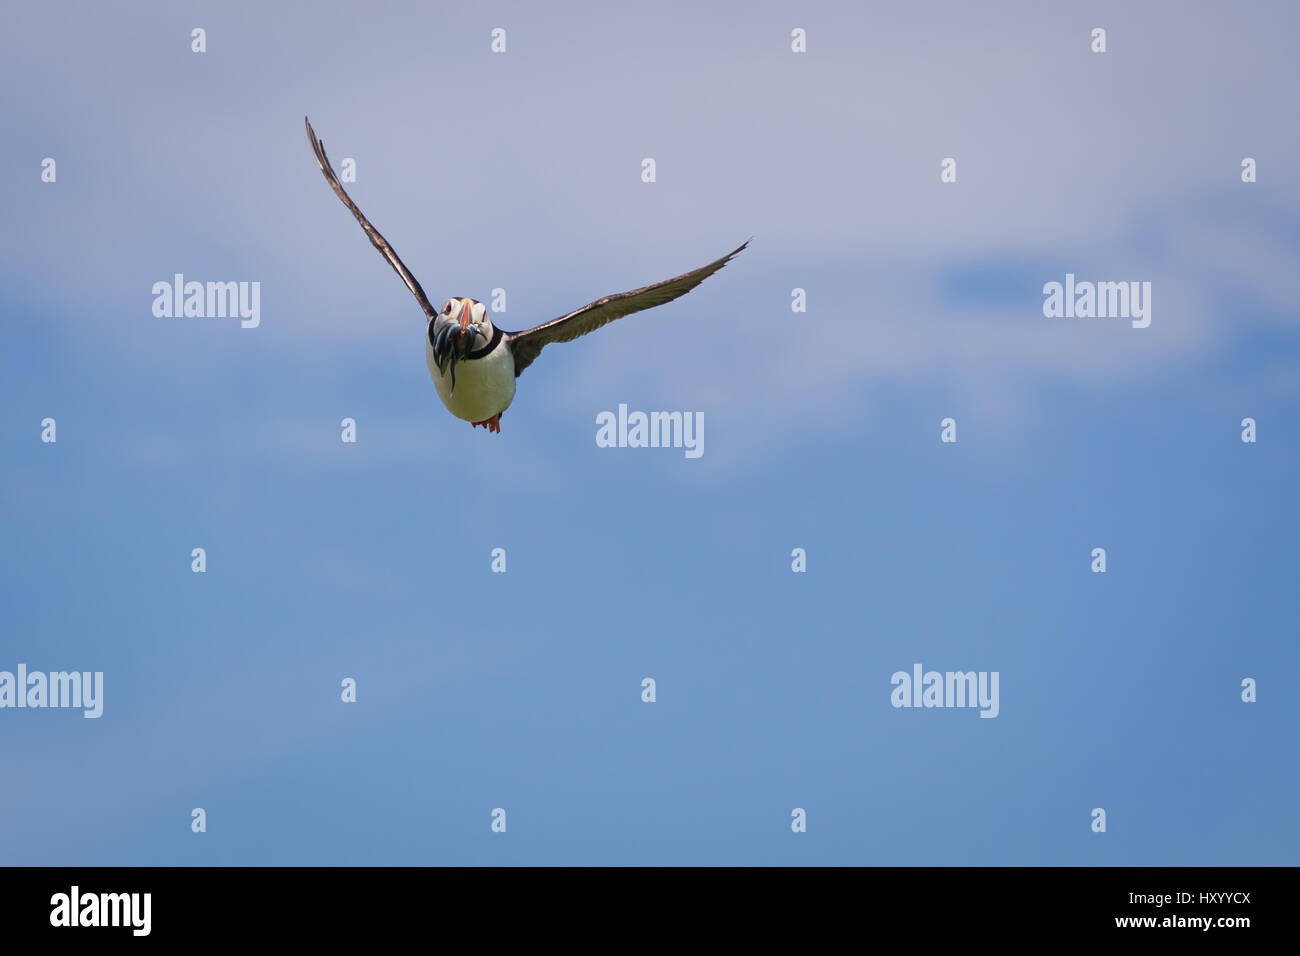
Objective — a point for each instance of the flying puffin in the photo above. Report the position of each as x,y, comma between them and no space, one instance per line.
490,358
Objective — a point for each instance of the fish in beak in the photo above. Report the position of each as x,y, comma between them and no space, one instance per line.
454,341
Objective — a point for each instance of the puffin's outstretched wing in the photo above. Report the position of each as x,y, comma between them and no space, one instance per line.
526,345
378,241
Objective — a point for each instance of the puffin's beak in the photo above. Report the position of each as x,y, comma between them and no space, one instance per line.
467,324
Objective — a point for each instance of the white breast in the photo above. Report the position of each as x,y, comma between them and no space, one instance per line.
484,387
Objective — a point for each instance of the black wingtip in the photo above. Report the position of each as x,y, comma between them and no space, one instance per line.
317,144
737,251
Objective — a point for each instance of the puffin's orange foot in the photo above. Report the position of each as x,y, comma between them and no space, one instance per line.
493,424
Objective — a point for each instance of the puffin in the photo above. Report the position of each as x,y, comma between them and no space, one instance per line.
472,361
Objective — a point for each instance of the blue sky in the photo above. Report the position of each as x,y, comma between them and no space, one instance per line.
523,690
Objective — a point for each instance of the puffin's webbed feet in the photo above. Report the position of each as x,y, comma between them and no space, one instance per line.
493,424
